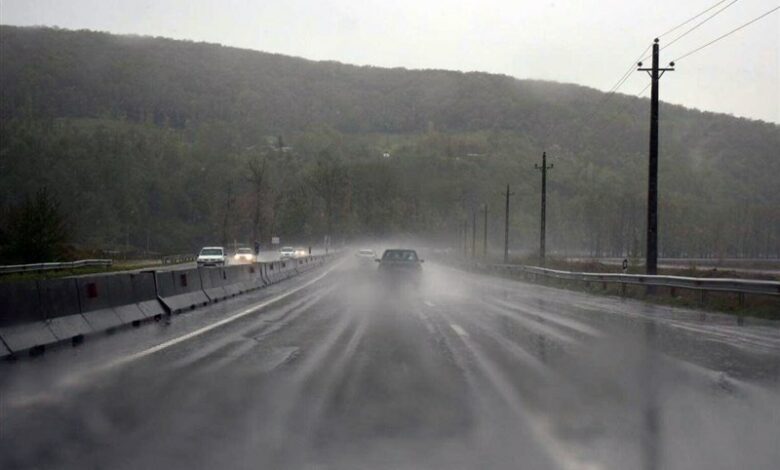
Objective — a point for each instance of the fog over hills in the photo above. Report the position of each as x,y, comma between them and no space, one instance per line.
155,142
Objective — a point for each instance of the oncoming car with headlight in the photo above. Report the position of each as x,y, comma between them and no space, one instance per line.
287,252
244,255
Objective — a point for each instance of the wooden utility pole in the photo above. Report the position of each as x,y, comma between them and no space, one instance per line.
506,226
466,238
651,264
473,233
484,234
542,233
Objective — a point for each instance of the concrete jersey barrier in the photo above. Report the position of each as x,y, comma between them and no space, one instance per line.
213,281
22,321
62,309
180,290
118,299
40,313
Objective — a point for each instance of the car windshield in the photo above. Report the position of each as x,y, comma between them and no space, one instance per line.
400,255
211,252
244,251
367,252
287,249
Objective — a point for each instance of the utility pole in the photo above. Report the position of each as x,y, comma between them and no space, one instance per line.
506,226
473,233
466,238
651,265
542,234
484,234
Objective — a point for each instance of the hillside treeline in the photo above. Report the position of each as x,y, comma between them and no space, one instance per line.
168,145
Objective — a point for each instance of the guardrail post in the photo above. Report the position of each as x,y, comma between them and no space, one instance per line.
623,289
702,297
673,292
741,299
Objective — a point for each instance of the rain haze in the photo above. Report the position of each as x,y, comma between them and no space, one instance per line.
389,235
584,42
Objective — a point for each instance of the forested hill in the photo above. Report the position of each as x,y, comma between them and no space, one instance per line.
102,103
78,74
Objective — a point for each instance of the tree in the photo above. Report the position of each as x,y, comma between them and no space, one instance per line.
330,181
256,177
36,230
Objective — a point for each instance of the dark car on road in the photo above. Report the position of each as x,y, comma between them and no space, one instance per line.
400,262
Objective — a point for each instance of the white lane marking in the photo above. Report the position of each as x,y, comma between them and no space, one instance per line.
76,378
458,329
429,303
205,329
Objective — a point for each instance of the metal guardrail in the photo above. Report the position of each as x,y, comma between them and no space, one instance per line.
176,259
740,286
23,268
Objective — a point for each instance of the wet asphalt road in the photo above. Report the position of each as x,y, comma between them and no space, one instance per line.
463,371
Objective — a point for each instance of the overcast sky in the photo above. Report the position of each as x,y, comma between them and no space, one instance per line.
588,42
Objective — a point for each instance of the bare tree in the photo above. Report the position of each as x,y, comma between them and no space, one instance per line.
257,166
329,180
230,199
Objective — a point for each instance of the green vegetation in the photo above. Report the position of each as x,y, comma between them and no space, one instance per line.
171,145
35,230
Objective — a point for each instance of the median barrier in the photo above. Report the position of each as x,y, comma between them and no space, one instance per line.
122,298
233,284
118,299
255,276
264,273
95,299
22,323
287,268
61,308
274,275
244,276
35,314
180,290
145,294
213,282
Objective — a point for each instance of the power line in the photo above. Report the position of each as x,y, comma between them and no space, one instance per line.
727,34
690,19
606,97
627,74
597,106
644,89
698,24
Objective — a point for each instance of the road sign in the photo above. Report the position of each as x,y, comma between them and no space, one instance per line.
274,240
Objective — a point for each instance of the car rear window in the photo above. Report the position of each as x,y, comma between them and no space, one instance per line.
400,255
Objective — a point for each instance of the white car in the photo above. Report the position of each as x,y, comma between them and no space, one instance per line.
287,252
211,256
244,255
366,256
